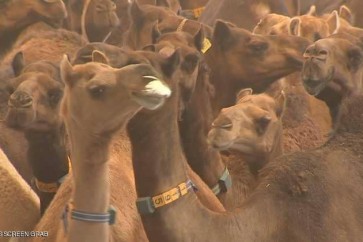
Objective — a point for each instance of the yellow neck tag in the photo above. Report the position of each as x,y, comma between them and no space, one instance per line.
198,11
206,45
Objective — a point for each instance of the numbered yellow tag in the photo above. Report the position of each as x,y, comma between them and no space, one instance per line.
206,45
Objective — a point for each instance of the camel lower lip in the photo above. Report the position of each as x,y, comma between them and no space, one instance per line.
224,146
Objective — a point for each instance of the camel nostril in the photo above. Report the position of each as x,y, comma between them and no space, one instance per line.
20,100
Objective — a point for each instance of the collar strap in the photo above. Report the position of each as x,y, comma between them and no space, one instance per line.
181,25
224,183
192,13
109,217
52,187
148,205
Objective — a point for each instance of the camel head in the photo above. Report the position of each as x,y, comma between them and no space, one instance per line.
21,13
117,57
246,59
272,24
189,47
100,99
36,94
143,19
331,63
251,126
308,26
100,17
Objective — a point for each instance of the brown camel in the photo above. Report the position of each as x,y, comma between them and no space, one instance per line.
137,87
300,197
251,131
44,46
244,14
238,59
144,19
19,205
332,70
94,19
125,229
308,26
14,18
33,109
307,119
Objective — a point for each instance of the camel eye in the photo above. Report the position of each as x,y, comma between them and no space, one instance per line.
54,97
97,91
262,124
258,47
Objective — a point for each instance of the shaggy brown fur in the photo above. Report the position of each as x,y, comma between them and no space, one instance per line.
47,45
14,19
244,14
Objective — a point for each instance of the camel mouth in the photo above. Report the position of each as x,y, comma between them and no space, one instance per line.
315,87
221,146
148,101
153,95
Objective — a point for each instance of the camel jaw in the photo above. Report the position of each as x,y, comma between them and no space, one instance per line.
153,95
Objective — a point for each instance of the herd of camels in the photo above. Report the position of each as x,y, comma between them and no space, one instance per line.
181,120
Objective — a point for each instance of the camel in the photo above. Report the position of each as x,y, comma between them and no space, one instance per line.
14,19
332,70
296,199
137,87
49,45
129,229
144,18
251,132
307,119
33,109
19,205
238,59
308,26
244,14
94,19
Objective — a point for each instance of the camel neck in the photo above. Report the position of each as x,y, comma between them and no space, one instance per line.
89,155
158,160
47,154
196,121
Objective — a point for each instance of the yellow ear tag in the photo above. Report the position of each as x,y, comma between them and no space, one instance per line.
206,45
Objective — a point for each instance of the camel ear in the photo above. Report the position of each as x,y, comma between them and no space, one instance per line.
312,11
355,58
333,22
18,63
295,26
222,35
98,56
155,34
243,93
346,14
171,63
66,70
199,39
280,104
190,63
